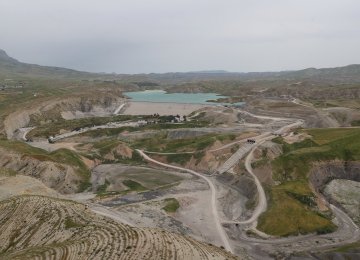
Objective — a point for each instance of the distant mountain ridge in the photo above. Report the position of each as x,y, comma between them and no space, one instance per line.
6,58
347,74
12,67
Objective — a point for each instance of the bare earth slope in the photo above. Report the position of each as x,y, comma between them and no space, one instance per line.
23,185
35,227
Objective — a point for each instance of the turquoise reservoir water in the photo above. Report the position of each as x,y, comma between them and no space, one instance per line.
162,96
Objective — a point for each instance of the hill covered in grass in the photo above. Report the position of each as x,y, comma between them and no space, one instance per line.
293,208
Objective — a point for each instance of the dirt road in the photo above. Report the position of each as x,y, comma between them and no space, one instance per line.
323,114
87,129
117,110
262,203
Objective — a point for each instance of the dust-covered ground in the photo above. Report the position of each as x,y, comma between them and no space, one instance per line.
149,108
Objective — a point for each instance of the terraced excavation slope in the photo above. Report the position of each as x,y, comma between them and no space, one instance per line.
36,227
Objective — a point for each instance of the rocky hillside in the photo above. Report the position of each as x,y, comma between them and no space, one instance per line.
102,104
323,172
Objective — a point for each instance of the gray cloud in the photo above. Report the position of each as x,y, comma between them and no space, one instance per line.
181,35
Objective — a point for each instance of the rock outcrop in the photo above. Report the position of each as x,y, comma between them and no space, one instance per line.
322,173
347,194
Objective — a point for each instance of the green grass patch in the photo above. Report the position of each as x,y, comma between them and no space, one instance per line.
171,206
323,104
84,185
259,163
101,189
133,185
289,212
299,186
225,137
348,248
323,136
306,150
179,158
355,123
7,172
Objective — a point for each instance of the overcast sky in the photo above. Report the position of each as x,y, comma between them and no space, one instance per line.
134,36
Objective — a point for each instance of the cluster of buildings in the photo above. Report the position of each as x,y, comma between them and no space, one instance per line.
9,83
156,119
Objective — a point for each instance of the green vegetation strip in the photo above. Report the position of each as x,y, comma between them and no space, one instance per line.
159,126
53,128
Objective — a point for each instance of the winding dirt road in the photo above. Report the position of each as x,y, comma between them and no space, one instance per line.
262,202
215,213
